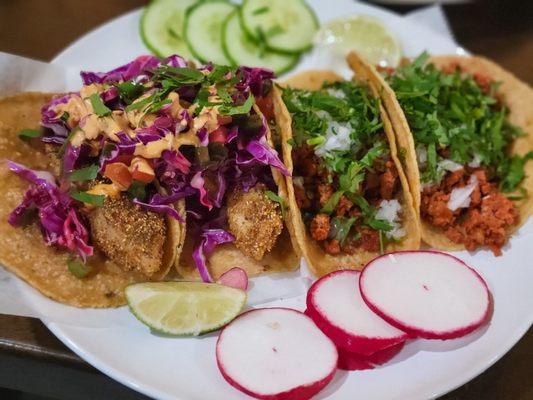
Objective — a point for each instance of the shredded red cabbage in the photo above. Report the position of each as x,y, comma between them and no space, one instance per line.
137,69
60,223
161,205
210,239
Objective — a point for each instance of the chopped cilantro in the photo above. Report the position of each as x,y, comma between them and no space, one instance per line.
137,190
515,172
230,109
77,268
342,227
139,104
99,107
84,174
64,117
129,91
84,197
450,114
332,202
274,197
27,134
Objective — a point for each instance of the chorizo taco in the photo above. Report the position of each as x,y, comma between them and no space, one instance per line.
236,216
347,191
465,125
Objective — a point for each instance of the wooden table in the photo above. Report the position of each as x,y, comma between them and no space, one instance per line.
34,361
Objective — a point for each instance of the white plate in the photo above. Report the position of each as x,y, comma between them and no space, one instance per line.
185,369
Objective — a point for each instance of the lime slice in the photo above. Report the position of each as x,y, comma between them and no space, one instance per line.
363,34
184,308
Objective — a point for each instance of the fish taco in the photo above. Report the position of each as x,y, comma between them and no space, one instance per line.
466,128
237,214
347,191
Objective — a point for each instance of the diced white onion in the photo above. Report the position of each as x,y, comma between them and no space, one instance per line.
421,155
476,162
389,210
337,139
336,93
460,197
449,165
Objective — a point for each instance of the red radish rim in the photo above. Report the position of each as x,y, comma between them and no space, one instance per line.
342,338
417,331
357,362
304,392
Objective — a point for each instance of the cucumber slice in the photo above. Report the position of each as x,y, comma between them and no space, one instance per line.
285,25
203,30
162,27
241,50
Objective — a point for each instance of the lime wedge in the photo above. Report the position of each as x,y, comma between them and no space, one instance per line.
363,34
184,308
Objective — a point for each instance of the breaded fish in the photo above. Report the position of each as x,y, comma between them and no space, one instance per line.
131,237
255,221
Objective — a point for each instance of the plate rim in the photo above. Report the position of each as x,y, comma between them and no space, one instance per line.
61,330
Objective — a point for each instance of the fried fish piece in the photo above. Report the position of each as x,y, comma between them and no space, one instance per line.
130,236
254,220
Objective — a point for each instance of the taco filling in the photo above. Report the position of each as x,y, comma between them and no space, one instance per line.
345,183
462,140
135,142
235,196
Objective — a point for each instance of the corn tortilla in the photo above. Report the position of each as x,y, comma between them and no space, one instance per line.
22,250
319,262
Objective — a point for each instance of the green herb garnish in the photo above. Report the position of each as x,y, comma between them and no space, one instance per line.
28,134
139,104
274,197
99,107
130,91
343,226
332,202
84,174
84,197
137,190
229,109
77,268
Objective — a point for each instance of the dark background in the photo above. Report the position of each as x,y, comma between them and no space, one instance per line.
34,365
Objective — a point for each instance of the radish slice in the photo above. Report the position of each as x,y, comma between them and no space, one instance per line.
235,278
354,362
336,306
429,294
276,354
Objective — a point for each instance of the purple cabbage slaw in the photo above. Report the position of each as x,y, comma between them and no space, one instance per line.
60,222
247,161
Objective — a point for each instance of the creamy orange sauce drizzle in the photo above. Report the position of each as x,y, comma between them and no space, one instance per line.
91,126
